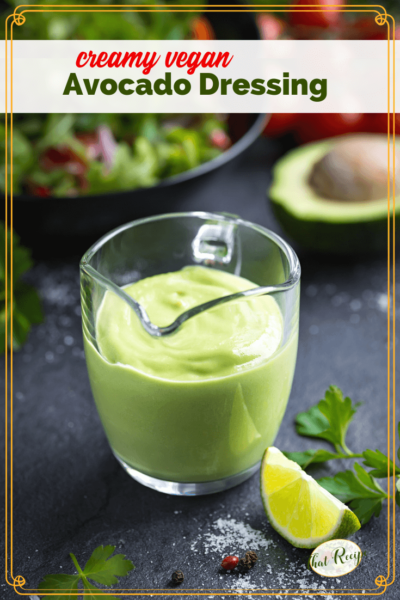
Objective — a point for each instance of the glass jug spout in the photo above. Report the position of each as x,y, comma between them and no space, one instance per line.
155,330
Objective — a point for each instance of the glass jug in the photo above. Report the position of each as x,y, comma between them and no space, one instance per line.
184,434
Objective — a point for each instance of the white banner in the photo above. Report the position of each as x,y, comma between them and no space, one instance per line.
198,76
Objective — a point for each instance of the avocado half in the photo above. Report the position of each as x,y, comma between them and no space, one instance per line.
331,196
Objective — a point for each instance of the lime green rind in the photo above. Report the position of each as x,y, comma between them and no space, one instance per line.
348,523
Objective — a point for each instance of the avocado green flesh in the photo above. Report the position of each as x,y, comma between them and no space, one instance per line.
202,403
317,223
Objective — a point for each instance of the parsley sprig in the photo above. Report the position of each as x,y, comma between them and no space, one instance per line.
26,304
329,420
359,489
101,568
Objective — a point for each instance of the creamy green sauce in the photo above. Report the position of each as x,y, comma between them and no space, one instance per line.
199,404
216,343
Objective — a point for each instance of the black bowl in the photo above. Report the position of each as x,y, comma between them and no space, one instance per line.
65,226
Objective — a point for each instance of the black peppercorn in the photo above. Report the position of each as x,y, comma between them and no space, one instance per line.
248,562
244,565
252,557
177,577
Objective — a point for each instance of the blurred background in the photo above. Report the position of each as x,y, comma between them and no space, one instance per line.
78,176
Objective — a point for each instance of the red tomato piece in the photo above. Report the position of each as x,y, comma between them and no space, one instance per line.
378,123
63,157
55,157
280,123
327,17
364,28
312,127
40,190
270,27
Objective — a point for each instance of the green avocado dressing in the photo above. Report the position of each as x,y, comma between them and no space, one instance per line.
204,402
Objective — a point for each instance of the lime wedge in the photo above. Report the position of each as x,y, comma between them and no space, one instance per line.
298,508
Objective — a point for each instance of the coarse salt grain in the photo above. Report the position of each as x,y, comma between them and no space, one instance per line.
243,584
229,533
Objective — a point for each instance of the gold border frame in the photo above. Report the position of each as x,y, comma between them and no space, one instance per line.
18,18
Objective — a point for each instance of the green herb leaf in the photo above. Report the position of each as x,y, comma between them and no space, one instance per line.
379,463
367,479
328,420
311,423
23,158
101,567
66,584
88,587
366,508
26,304
359,489
21,256
57,131
308,457
346,486
398,492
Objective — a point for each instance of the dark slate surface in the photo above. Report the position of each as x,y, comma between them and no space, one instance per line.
70,494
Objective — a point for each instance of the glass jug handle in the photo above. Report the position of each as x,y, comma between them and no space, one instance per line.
214,243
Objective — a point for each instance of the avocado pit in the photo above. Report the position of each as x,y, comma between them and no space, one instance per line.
354,170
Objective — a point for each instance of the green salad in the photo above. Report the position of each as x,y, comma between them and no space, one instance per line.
70,155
